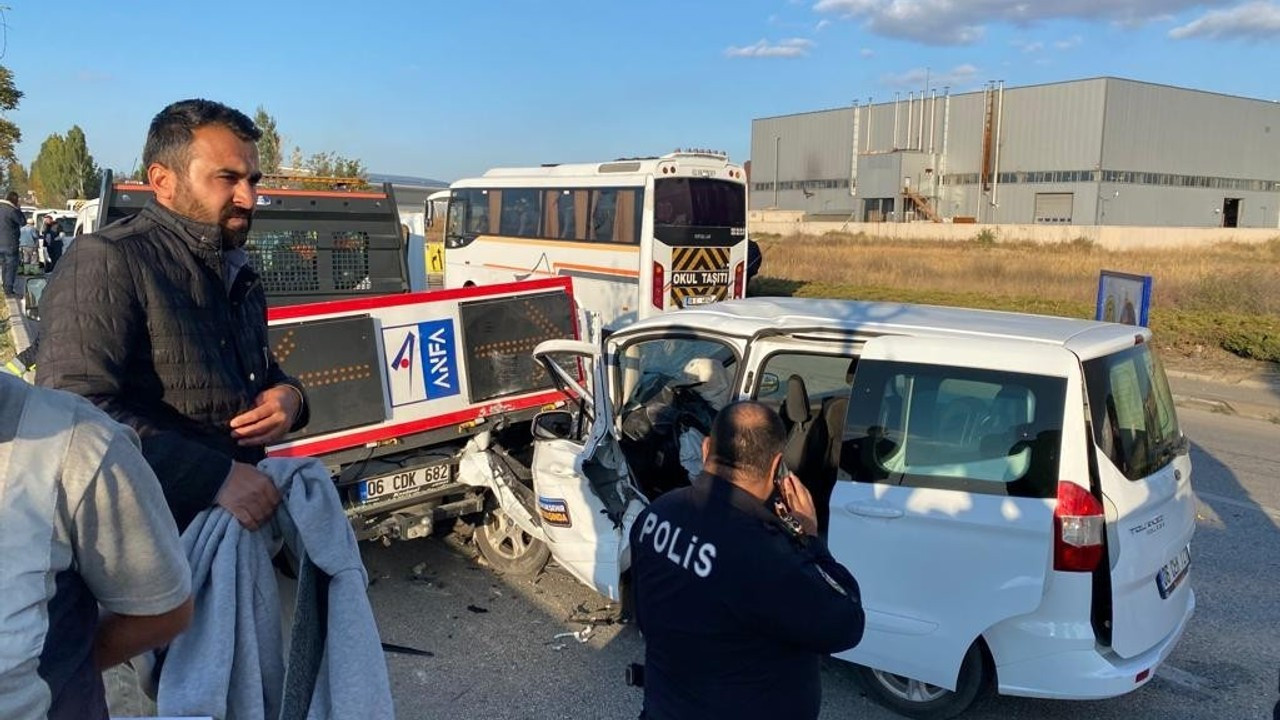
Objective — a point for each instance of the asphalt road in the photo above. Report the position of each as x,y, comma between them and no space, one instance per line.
496,654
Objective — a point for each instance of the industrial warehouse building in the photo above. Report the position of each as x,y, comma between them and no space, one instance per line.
1101,151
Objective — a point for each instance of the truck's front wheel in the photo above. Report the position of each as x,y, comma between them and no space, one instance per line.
508,548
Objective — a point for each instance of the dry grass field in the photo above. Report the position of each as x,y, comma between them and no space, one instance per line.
1224,296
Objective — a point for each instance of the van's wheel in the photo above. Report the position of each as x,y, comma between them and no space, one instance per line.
508,548
923,701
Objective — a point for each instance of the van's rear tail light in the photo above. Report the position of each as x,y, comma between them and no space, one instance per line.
739,276
1077,529
659,284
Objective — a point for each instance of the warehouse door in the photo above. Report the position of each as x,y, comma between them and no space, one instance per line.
1054,208
1230,212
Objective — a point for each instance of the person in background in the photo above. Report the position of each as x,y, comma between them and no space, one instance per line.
736,594
160,321
27,247
83,526
51,235
11,223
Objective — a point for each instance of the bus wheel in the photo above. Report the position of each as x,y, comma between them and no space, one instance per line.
508,548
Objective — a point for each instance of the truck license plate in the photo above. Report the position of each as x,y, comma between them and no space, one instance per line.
1173,572
404,481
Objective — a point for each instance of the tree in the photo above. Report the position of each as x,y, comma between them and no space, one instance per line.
64,169
15,178
10,135
331,164
269,143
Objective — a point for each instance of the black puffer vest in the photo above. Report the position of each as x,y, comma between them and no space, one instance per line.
137,317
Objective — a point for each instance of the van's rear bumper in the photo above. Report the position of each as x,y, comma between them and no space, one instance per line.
1088,674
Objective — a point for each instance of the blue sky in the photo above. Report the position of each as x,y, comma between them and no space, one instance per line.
449,89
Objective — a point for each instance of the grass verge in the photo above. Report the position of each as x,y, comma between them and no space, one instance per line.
1226,296
6,342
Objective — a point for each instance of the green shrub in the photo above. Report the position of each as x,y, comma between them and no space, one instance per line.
985,238
1255,343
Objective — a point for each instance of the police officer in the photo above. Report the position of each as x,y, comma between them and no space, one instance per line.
736,595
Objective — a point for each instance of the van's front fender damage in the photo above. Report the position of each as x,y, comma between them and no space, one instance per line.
477,468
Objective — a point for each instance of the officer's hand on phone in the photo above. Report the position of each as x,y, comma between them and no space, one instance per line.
800,503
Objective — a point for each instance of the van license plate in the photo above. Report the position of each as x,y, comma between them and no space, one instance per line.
404,481
1173,572
699,300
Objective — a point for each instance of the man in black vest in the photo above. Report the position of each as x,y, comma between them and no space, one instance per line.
736,594
160,321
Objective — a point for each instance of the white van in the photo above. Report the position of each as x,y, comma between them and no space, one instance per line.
87,218
1012,492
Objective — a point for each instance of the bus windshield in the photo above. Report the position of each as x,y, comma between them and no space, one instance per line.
468,215
699,202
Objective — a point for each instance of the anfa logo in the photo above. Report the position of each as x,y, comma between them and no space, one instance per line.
429,346
439,358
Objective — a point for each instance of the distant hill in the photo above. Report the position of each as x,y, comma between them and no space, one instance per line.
407,180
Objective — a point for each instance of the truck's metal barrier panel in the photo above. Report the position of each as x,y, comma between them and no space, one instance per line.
380,369
500,335
337,361
308,245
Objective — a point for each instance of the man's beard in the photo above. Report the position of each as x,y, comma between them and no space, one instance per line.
232,239
191,207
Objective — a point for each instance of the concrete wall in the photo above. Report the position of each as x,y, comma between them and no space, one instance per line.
786,223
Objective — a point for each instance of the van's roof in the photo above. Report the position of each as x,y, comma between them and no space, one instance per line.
745,318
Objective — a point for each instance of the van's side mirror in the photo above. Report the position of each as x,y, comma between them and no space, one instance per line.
769,384
553,425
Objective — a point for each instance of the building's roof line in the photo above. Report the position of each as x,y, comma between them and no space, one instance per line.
1103,78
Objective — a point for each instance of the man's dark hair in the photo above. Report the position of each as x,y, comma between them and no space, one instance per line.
12,197
745,436
169,137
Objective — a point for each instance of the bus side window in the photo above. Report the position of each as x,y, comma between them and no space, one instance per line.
581,199
603,207
520,213
553,205
495,211
624,226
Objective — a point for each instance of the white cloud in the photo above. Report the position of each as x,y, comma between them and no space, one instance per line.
958,76
963,22
1251,21
867,52
788,48
1028,46
1069,43
823,23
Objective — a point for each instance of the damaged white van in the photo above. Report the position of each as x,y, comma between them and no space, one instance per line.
1012,492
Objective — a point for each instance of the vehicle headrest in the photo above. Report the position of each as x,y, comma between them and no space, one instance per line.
796,406
1014,403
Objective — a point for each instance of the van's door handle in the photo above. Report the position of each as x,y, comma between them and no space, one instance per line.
873,510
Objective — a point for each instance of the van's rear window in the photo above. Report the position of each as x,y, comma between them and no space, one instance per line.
1132,411
947,427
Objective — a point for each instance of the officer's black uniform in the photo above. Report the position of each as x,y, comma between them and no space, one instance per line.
736,611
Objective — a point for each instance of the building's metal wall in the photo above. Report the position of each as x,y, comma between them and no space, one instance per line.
813,147
1166,130
1155,128
1083,127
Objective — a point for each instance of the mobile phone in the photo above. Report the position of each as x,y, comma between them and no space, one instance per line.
783,472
